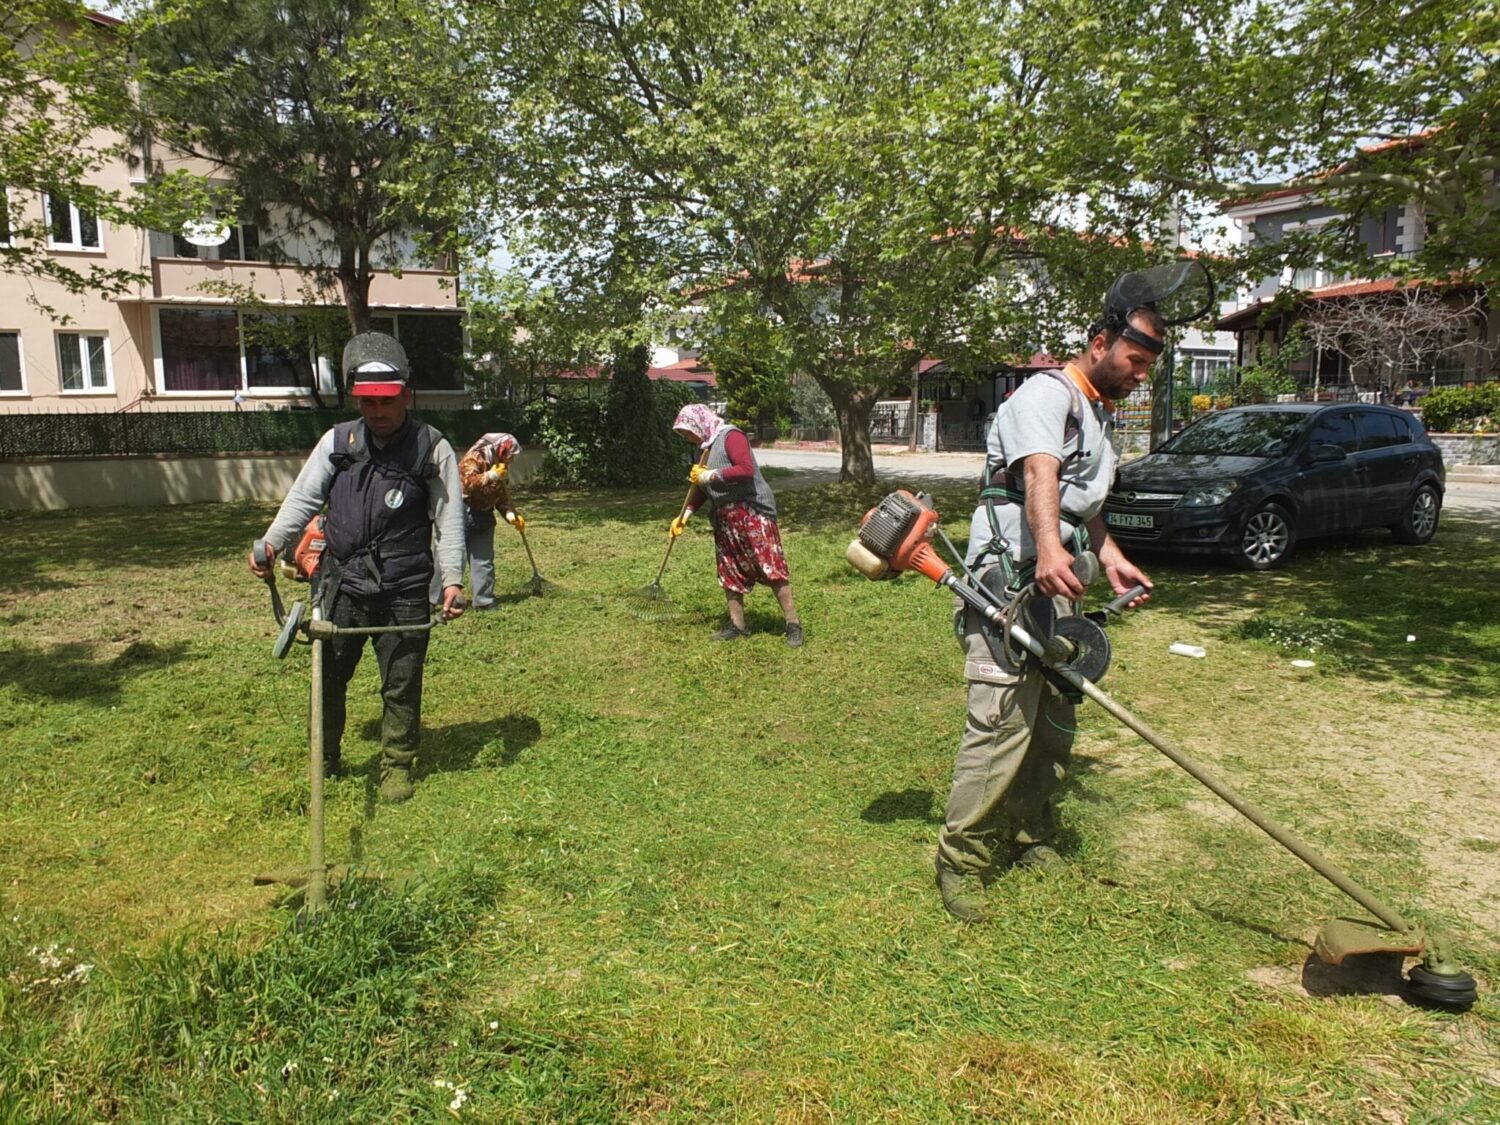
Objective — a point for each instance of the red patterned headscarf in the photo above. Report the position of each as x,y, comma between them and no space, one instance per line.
495,448
701,422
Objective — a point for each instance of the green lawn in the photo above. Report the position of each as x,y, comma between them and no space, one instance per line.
664,879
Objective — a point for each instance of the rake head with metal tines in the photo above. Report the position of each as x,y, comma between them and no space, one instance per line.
540,587
651,603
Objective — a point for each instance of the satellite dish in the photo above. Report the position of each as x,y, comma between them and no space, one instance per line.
205,232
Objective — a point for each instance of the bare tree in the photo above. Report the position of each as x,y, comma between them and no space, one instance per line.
1389,337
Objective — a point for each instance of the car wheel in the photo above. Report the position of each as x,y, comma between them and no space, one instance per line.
1419,522
1267,538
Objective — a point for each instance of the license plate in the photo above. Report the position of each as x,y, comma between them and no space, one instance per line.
1129,519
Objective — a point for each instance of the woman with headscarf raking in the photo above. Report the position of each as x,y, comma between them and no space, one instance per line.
484,471
742,509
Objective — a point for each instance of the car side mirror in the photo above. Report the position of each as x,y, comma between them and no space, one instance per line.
1321,452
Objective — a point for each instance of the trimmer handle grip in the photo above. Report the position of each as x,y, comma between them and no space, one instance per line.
261,553
1117,607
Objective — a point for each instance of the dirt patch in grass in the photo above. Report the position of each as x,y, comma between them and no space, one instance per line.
1358,769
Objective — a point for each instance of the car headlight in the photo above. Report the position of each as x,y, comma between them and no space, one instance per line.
1210,495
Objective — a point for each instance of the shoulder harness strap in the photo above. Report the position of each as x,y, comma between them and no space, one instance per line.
998,485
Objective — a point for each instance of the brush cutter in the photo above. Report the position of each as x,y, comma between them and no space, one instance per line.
307,627
896,536
650,603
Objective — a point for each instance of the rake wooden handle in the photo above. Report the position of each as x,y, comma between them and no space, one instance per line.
671,539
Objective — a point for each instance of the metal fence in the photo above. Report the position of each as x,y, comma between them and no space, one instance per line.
208,431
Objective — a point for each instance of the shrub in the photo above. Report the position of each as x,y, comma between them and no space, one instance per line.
623,440
1262,383
635,440
1462,409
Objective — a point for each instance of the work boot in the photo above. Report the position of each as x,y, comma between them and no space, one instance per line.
794,634
963,895
395,784
730,633
1040,856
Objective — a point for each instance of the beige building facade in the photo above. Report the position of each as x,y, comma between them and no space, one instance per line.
213,323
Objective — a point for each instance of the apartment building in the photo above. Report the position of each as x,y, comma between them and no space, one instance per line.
1268,310
218,320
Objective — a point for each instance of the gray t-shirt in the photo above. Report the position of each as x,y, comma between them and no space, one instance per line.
1034,420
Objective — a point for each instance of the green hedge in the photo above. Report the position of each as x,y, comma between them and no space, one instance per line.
1462,410
623,441
589,441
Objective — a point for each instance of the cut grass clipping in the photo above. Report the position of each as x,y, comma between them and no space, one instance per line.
672,880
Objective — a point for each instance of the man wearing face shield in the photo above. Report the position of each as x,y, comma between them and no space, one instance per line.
1049,468
394,519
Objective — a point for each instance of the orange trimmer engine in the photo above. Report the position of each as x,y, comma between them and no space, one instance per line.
308,553
896,535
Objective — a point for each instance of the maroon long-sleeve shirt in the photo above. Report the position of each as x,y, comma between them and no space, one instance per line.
741,466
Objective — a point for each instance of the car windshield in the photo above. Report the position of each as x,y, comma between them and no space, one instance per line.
1240,433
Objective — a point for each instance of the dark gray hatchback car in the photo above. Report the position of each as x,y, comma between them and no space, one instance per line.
1250,482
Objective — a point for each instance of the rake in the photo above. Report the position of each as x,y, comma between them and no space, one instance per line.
539,585
651,603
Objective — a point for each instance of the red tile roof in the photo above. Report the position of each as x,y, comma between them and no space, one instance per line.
1310,182
1343,289
684,371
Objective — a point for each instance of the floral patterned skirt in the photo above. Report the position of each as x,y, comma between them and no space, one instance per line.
747,546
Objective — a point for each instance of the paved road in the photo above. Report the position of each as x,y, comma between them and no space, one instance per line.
1478,498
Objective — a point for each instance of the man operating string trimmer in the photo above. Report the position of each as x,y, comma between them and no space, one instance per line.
1049,468
390,484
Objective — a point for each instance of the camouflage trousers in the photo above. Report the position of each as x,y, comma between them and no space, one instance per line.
1014,752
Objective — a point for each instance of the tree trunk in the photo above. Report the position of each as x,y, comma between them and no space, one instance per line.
354,282
853,406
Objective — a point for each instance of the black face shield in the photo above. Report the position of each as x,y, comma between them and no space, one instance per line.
1179,291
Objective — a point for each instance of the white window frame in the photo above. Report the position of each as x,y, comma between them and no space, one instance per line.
1321,275
77,228
272,392
244,390
23,392
1198,360
80,336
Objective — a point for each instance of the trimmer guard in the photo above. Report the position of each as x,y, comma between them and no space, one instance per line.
1349,937
288,633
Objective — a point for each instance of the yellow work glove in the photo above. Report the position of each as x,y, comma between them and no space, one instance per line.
699,474
679,525
515,520
498,471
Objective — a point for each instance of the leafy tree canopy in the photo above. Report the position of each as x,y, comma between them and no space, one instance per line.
363,128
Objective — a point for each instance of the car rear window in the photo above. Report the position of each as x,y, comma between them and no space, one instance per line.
1240,433
1379,430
